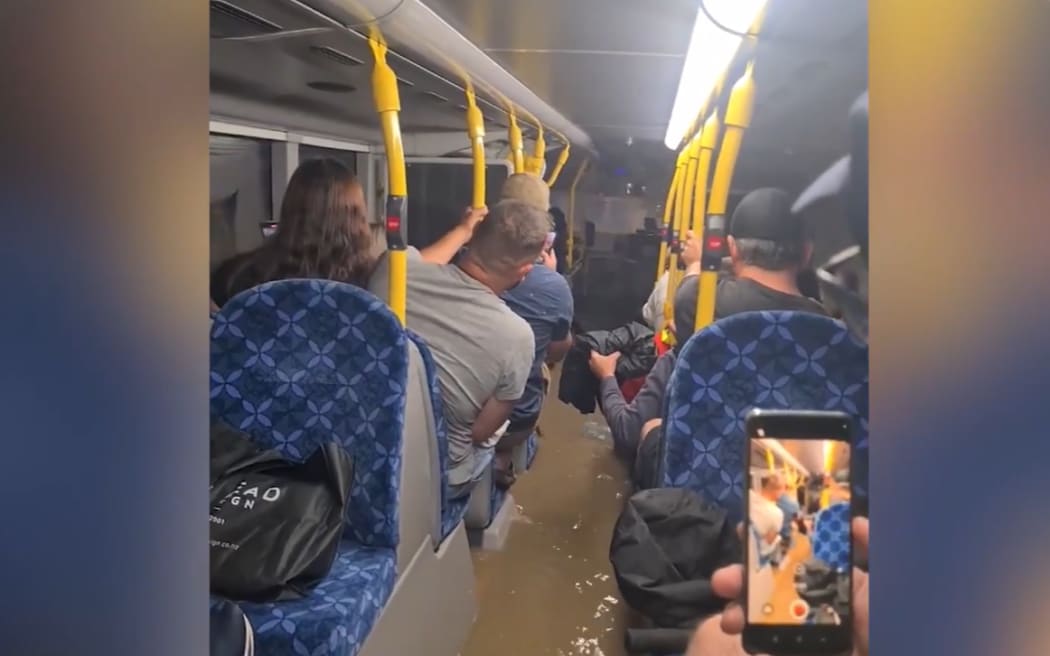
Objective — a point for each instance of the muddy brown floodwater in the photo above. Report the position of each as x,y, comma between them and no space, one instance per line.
551,590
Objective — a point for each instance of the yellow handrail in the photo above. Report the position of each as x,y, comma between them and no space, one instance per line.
682,217
476,133
738,118
388,104
563,158
517,146
571,222
665,229
708,282
539,153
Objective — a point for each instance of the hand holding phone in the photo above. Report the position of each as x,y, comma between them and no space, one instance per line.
798,588
720,634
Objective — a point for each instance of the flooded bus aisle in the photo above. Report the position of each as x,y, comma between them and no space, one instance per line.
557,553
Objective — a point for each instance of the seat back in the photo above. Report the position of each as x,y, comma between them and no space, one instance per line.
427,475
448,512
297,363
768,360
831,536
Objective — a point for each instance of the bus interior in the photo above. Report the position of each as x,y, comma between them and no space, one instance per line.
600,98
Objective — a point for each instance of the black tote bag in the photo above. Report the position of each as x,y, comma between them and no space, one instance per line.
275,525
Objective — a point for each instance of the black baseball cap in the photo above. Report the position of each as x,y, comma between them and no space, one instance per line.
766,214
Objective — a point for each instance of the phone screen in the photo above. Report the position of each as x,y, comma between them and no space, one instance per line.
550,241
798,559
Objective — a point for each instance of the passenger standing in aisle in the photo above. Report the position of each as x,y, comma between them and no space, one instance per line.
544,300
483,351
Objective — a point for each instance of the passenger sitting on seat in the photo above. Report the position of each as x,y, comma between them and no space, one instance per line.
322,233
544,300
766,517
483,351
768,246
653,310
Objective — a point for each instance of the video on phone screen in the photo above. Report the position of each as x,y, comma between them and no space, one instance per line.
799,544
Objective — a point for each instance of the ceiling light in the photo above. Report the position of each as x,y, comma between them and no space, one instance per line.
711,51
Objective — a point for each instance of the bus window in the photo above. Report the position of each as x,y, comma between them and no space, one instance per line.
441,193
347,158
240,194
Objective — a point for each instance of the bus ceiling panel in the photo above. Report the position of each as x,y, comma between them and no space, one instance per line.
609,63
503,26
620,93
416,32
325,76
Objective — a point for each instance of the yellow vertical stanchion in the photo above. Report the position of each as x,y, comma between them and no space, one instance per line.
665,229
571,222
388,104
517,145
708,281
829,466
476,132
563,158
738,118
682,216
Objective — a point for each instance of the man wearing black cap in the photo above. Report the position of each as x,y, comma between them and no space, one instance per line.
768,247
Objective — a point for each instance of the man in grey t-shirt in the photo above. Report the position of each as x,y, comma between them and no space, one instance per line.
483,350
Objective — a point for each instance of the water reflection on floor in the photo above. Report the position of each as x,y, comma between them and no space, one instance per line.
552,590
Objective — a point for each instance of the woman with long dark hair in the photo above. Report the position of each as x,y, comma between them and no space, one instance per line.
322,232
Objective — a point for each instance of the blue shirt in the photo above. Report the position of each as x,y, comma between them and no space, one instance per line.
544,300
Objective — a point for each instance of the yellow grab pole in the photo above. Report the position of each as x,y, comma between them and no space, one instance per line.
770,462
708,283
388,104
829,465
665,229
476,132
680,227
563,158
571,222
738,118
517,146
539,153
706,148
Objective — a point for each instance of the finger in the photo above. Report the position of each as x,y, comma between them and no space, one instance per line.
740,531
733,619
860,539
615,356
728,582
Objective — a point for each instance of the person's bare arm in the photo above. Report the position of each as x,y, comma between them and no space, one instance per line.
493,415
443,250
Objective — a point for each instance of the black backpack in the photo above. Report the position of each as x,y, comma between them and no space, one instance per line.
275,525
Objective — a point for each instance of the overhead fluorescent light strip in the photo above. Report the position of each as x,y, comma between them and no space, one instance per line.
711,51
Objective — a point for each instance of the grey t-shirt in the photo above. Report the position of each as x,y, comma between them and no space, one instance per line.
481,348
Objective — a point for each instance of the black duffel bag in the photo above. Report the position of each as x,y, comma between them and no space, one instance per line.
231,633
275,525
666,545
